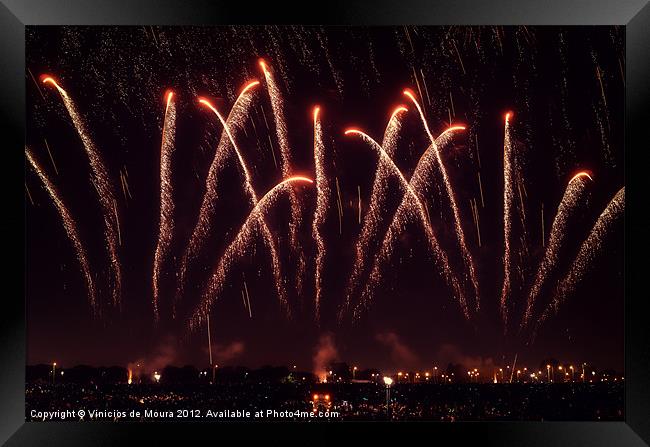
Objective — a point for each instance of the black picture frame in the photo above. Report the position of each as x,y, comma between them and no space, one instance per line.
633,14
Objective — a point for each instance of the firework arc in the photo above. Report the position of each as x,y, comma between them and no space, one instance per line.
166,217
451,196
70,227
277,105
236,248
235,121
323,192
572,198
377,198
248,185
581,174
413,202
587,253
507,218
104,188
419,180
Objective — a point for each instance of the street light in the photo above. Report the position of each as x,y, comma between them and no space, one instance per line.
53,372
354,371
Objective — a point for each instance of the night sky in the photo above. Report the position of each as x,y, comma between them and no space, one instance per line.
565,86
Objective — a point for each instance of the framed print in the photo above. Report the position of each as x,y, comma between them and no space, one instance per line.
240,217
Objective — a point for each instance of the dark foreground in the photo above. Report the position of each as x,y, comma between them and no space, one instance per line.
287,401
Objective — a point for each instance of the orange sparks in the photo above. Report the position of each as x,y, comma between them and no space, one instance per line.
297,178
237,246
263,65
409,93
69,225
451,129
397,110
322,205
249,86
581,174
166,224
574,196
46,79
170,95
226,127
103,186
277,105
469,262
235,120
207,103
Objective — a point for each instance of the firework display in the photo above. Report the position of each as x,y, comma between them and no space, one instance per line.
103,186
257,206
166,196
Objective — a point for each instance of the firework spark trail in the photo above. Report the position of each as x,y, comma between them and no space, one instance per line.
166,219
467,256
103,186
573,196
236,248
285,155
322,205
377,198
507,222
588,252
339,206
268,236
70,228
236,120
383,155
421,175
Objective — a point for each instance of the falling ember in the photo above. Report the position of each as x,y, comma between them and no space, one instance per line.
339,206
70,227
507,218
589,249
248,301
285,155
166,217
322,205
103,186
377,198
49,152
29,194
475,214
243,298
248,185
543,240
359,193
467,256
404,211
573,196
236,120
237,247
